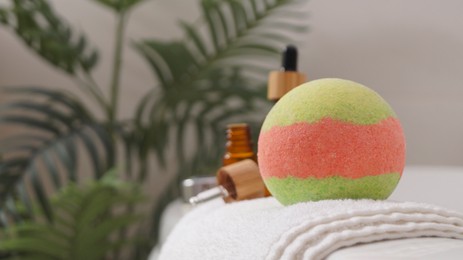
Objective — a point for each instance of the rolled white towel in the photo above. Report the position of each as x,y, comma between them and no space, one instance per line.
264,229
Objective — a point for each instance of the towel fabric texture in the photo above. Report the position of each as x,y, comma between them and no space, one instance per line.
264,229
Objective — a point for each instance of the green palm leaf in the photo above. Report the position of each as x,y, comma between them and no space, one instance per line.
47,34
85,224
43,31
205,83
215,75
55,124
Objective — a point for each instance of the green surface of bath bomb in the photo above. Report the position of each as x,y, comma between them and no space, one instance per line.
331,139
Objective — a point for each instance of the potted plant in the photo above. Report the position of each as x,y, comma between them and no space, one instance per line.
215,74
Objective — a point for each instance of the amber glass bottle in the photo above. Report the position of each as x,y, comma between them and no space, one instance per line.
239,144
237,181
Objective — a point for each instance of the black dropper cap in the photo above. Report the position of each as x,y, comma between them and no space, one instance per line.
287,77
289,61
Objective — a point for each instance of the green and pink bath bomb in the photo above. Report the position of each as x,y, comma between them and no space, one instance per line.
331,139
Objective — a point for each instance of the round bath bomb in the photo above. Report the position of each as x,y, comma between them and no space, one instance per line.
331,139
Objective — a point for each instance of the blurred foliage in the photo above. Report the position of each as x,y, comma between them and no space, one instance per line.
212,76
119,5
86,224
36,23
57,125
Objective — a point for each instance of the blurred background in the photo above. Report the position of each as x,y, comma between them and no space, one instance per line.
410,52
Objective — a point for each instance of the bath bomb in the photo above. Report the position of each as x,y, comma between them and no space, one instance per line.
331,139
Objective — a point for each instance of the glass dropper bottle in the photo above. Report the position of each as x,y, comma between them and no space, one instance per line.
239,145
284,80
239,178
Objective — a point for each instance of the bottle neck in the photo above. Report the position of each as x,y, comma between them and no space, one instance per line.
239,139
239,144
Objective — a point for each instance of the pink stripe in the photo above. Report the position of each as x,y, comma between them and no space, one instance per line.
332,148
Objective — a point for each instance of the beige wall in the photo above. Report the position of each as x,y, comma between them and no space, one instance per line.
411,52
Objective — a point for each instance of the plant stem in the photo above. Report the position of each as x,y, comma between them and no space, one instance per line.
88,76
94,91
117,64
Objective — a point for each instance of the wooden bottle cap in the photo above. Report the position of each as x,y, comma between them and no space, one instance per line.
281,82
242,180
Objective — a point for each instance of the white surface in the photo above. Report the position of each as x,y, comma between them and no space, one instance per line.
442,186
410,249
170,217
436,185
264,229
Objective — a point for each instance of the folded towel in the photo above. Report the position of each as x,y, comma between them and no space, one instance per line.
263,229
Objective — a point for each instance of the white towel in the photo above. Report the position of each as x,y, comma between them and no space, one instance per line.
264,229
